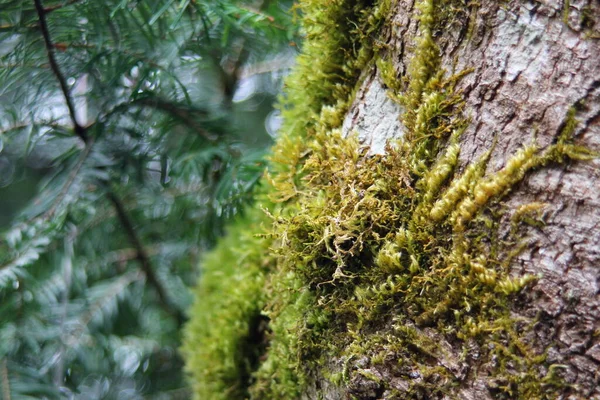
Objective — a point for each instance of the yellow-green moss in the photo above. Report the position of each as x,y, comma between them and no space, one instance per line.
378,258
566,7
222,339
233,288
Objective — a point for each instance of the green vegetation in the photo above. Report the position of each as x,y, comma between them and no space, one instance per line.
130,133
383,259
227,323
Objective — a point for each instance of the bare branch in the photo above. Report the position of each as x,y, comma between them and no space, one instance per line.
144,259
79,129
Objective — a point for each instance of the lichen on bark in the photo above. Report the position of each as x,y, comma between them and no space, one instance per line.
385,275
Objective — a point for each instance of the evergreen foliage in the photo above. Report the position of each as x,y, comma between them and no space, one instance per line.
123,139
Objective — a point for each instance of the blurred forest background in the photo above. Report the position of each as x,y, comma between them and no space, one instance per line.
130,133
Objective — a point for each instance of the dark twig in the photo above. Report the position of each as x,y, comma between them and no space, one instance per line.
144,259
41,12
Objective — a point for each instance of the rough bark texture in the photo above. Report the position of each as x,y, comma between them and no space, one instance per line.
532,62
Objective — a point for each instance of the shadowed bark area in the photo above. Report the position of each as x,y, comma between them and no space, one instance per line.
531,63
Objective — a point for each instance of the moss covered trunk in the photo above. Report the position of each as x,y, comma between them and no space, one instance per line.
430,228
532,62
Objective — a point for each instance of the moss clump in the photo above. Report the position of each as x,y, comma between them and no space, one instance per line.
234,287
395,260
224,338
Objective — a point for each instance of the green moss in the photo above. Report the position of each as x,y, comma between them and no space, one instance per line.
387,259
233,289
566,11
223,340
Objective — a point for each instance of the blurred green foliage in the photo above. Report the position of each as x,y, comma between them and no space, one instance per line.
130,133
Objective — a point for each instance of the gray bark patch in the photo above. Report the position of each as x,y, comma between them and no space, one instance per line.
374,117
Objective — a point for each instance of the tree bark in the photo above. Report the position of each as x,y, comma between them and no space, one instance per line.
532,61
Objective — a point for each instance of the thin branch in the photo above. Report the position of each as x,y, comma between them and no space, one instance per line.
23,65
79,129
14,127
50,9
11,28
24,125
144,259
124,255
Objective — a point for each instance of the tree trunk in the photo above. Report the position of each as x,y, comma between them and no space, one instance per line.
532,62
455,258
